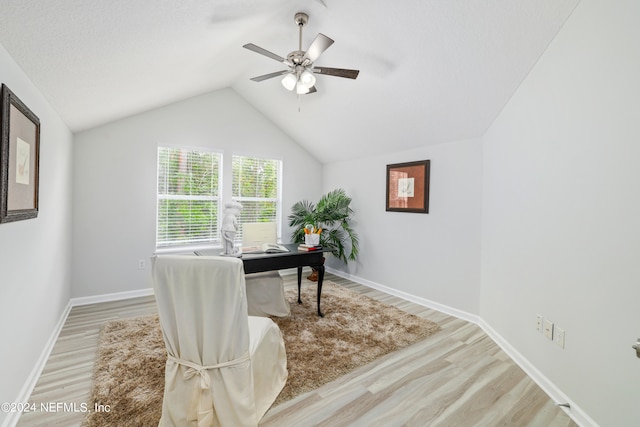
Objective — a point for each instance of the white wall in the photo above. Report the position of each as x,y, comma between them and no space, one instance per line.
434,256
561,211
541,217
115,181
35,254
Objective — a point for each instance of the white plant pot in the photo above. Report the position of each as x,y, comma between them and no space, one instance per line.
312,239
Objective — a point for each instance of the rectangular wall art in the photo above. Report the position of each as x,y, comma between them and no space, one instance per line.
19,159
408,187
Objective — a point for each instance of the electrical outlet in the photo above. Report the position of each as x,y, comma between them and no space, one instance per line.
548,329
141,264
539,323
559,336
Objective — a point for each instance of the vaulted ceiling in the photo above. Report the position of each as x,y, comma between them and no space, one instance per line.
431,71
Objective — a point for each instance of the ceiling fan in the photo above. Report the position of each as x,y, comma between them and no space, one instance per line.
300,75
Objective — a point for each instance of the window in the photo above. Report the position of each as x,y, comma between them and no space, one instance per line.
188,196
190,189
256,184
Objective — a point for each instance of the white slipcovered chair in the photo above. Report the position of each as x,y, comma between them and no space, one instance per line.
265,295
224,368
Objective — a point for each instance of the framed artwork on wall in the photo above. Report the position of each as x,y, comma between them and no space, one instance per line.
19,159
408,187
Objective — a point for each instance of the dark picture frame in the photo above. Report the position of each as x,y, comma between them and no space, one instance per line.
408,187
19,159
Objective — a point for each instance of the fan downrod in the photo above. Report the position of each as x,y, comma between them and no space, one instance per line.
301,19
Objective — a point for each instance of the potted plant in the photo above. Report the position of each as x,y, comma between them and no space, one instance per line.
332,214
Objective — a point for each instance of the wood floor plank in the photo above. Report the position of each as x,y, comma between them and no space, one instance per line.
457,377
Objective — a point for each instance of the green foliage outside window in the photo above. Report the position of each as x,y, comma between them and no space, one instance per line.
255,185
188,172
187,196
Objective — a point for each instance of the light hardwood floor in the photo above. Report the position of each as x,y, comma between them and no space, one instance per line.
457,377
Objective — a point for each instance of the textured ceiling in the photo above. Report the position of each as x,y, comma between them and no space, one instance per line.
431,71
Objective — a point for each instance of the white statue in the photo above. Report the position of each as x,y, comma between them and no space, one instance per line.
230,228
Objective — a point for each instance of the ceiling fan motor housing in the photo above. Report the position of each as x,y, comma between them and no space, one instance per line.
295,57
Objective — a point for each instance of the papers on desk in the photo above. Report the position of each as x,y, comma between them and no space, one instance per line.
265,248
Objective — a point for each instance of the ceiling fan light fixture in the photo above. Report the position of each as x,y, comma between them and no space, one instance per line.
307,78
289,81
301,88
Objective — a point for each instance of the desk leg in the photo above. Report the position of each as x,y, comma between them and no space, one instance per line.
299,282
320,269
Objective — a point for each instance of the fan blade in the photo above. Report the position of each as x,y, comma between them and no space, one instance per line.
337,72
312,89
319,45
270,75
261,51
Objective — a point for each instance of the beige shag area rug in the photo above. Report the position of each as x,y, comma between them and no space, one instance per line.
129,371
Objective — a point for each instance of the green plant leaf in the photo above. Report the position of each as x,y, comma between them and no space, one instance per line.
333,214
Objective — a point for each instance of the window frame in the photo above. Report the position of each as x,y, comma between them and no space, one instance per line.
218,199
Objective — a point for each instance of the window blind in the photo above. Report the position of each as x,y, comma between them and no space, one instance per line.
256,184
188,196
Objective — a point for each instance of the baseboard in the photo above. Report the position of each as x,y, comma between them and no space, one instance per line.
575,412
32,379
117,296
408,297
